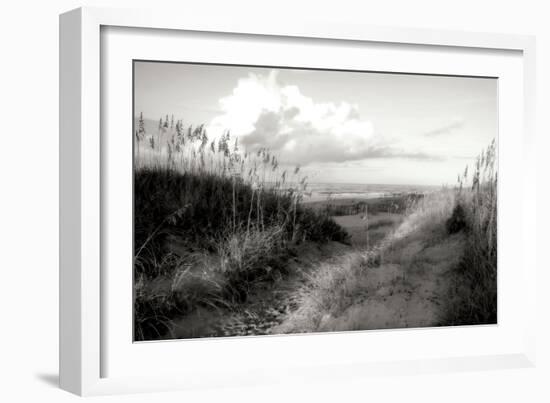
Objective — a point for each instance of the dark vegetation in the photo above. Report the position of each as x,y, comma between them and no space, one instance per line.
199,210
457,221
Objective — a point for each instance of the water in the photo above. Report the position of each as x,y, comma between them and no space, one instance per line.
322,191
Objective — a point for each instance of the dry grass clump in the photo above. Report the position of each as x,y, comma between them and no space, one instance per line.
246,259
183,283
428,214
330,290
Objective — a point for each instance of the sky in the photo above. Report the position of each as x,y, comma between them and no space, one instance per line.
339,126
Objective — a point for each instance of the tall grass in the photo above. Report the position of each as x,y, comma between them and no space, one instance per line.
210,220
469,208
473,294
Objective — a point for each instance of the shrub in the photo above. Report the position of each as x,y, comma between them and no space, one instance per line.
457,221
319,227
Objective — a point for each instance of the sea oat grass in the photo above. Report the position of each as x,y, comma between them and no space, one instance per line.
210,222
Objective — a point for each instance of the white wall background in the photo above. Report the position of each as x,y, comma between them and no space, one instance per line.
29,201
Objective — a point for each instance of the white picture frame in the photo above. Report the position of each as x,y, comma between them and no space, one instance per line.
85,344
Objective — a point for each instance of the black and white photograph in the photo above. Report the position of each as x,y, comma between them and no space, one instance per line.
282,200
300,201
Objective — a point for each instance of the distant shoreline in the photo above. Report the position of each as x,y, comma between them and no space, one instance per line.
318,200
344,201
347,197
357,191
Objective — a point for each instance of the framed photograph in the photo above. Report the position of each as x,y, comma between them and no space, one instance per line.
244,203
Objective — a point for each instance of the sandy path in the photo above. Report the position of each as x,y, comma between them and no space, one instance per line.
406,289
393,298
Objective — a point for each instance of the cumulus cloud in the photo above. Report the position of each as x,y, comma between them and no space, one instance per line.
264,113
